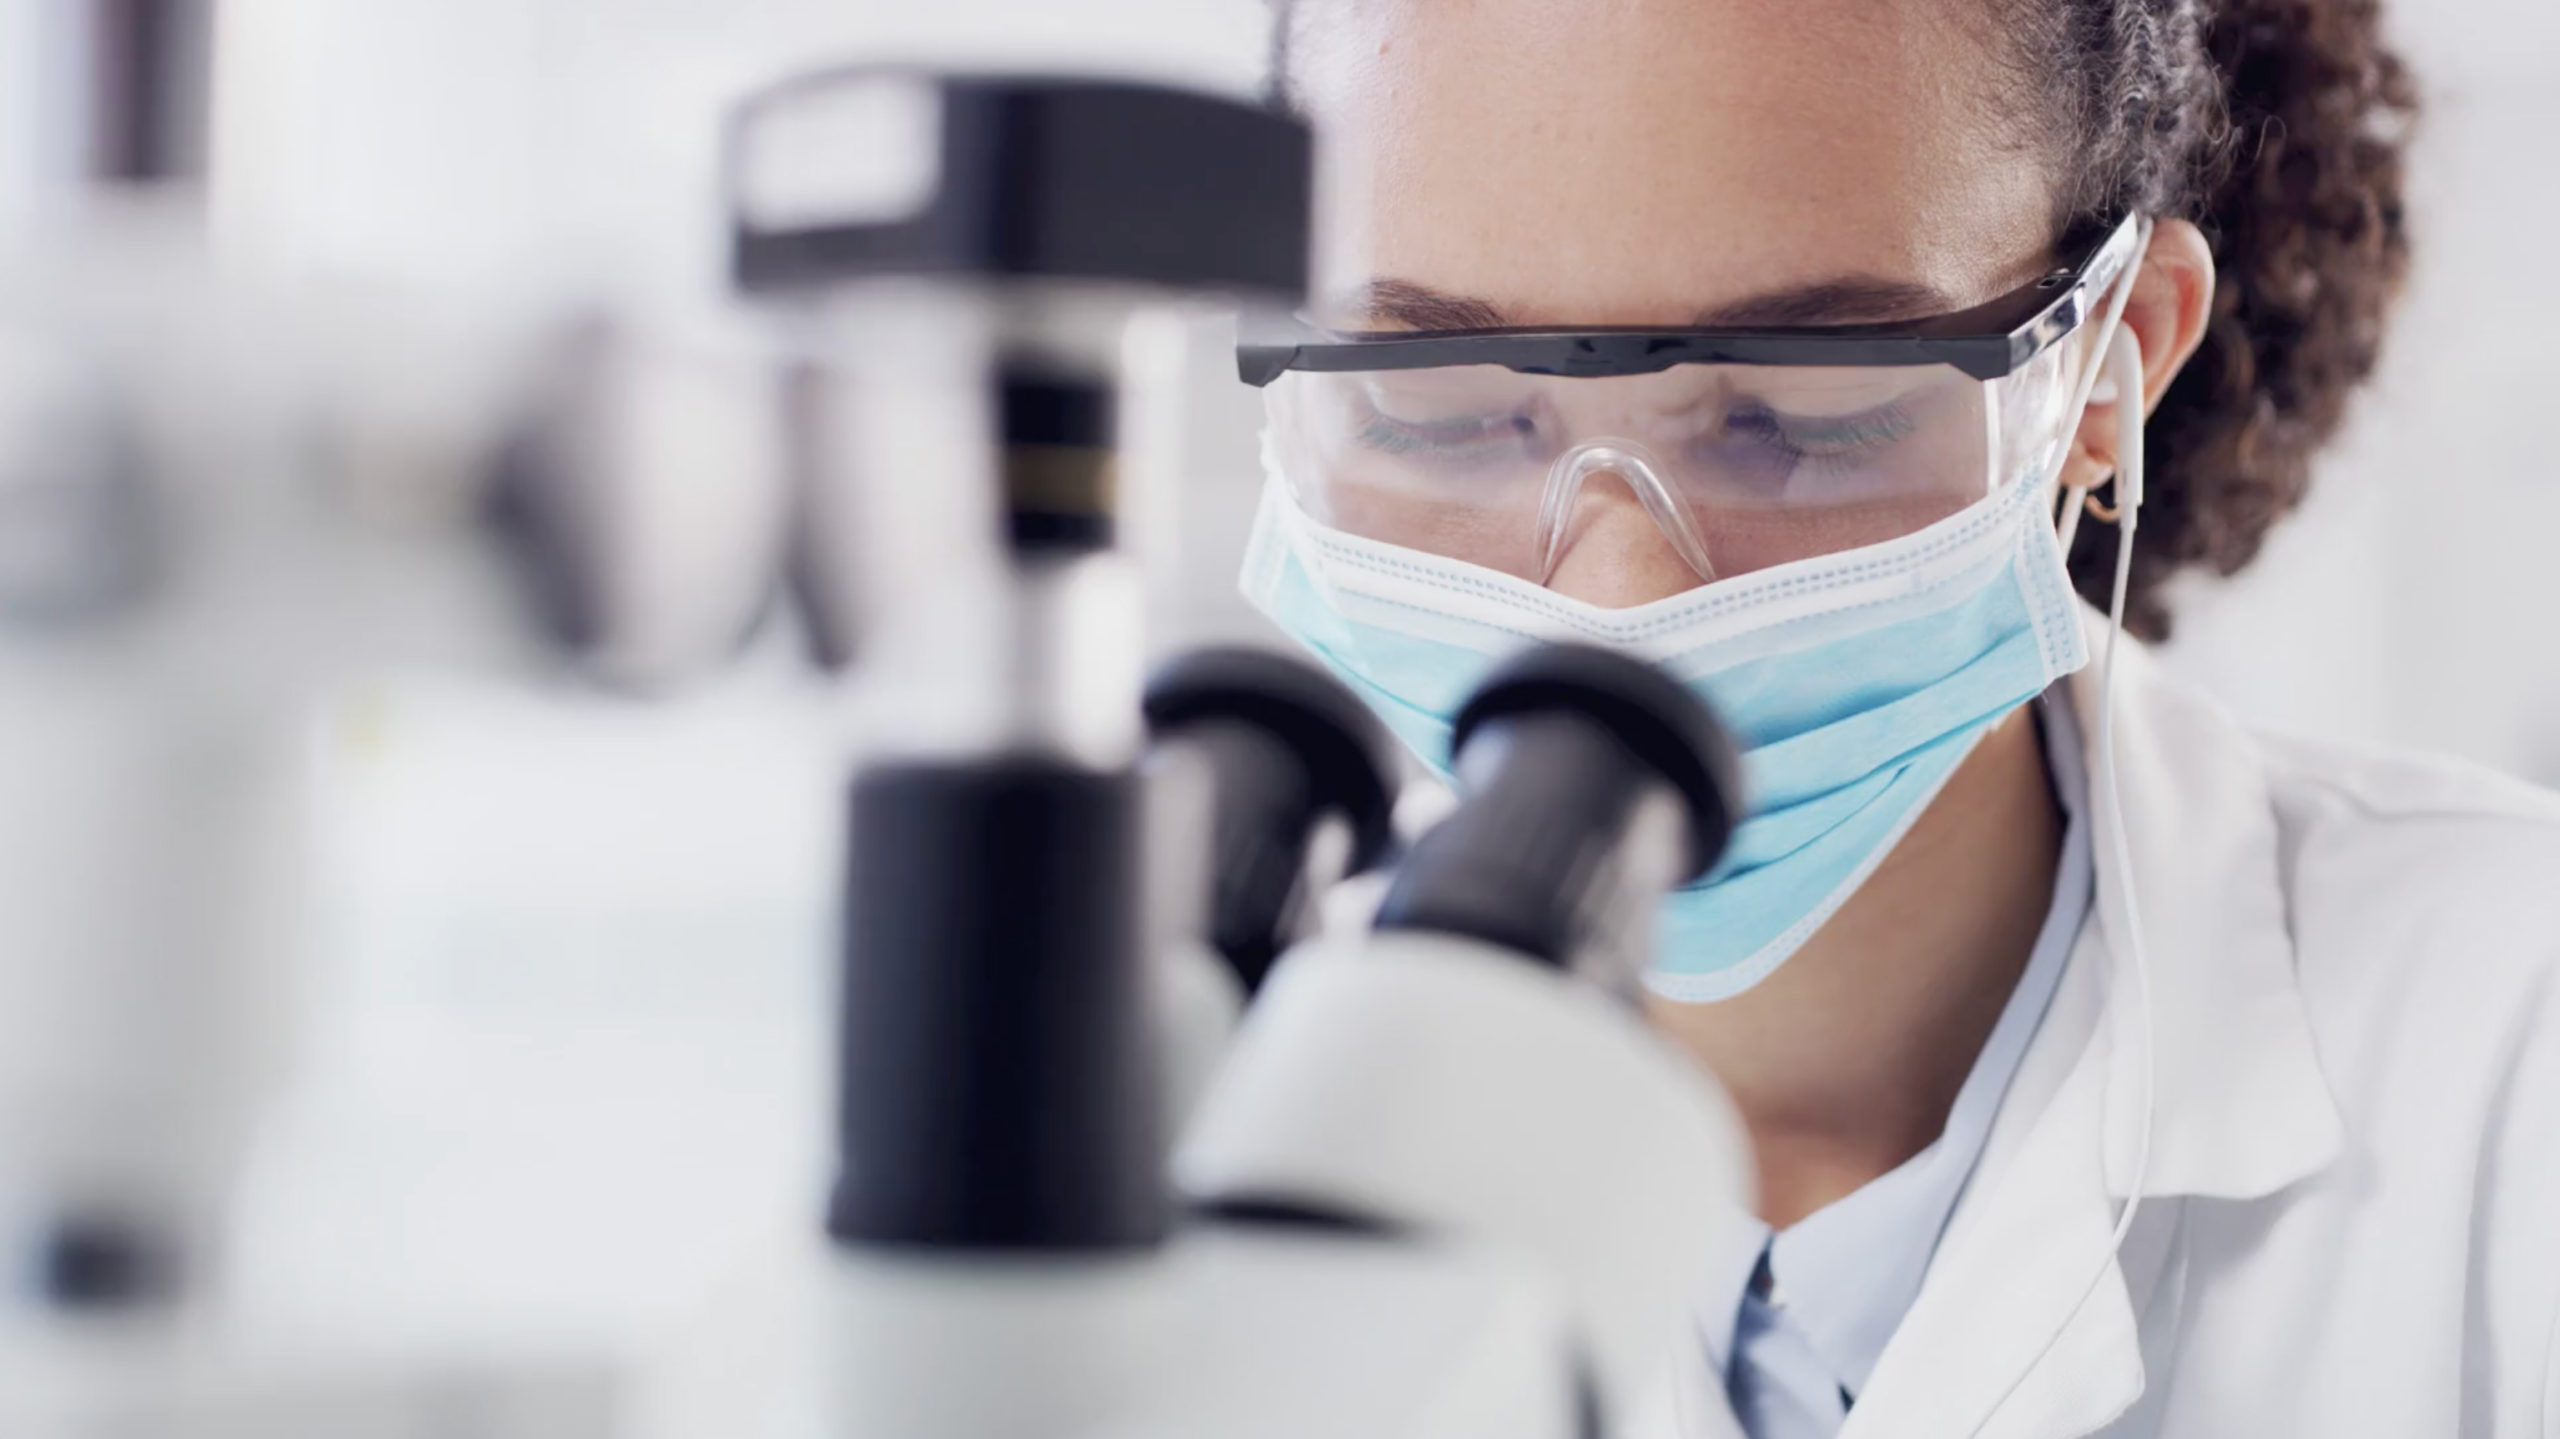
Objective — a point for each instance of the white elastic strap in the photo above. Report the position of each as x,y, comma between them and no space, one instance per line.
2075,498
2124,366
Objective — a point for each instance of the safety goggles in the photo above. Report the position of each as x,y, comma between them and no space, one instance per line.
1748,447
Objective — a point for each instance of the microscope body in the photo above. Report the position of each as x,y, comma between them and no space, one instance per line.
1444,1183
1261,1331
1437,1186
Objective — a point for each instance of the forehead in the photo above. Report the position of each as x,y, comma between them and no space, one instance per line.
1643,161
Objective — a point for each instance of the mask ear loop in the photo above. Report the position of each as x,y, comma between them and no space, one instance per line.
2124,373
2076,501
1564,486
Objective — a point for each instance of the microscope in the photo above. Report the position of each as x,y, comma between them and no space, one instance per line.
1128,1141
1439,1179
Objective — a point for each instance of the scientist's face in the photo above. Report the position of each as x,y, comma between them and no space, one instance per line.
1647,162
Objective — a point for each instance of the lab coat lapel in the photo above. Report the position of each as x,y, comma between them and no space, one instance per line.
2240,1109
2024,1248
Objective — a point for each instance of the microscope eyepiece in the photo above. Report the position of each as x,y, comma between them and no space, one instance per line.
1347,754
1661,722
1593,783
1287,747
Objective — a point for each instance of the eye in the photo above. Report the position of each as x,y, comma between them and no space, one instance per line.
1760,453
1843,439
1449,437
1406,437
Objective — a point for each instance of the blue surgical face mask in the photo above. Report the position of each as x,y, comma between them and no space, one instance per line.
1855,684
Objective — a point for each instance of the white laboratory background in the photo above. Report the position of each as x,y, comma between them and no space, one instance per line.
576,1127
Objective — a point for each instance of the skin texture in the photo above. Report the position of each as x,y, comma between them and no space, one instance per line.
1647,162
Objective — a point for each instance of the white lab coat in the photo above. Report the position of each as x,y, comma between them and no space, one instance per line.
2351,1222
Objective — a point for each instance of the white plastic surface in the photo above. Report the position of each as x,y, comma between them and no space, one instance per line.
96,1380
1234,1333
847,153
1198,1001
1445,1086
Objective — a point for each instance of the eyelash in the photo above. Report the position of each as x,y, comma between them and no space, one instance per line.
1826,441
1830,441
1401,437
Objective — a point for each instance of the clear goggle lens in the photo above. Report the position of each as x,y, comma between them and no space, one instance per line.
1742,467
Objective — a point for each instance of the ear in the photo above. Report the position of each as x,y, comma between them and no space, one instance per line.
2172,301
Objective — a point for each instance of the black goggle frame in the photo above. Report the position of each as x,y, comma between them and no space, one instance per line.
1987,341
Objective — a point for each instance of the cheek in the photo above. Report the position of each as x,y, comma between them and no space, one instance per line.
1743,540
1499,538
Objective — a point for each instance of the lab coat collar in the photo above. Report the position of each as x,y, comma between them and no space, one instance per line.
1993,1344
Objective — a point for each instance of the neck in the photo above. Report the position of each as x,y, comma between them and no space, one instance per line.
1845,1061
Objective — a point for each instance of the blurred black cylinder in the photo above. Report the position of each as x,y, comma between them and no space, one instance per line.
111,93
997,1086
149,107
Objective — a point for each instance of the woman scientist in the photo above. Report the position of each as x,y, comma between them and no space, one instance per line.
2108,1068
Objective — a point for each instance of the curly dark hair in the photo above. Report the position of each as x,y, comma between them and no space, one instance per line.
2278,127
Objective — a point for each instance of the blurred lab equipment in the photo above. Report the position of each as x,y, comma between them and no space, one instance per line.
967,255
1446,1182
219,496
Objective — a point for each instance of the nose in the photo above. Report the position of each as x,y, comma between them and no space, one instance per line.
1615,556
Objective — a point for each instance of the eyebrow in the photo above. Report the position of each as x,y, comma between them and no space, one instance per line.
1401,304
1846,300
1842,300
